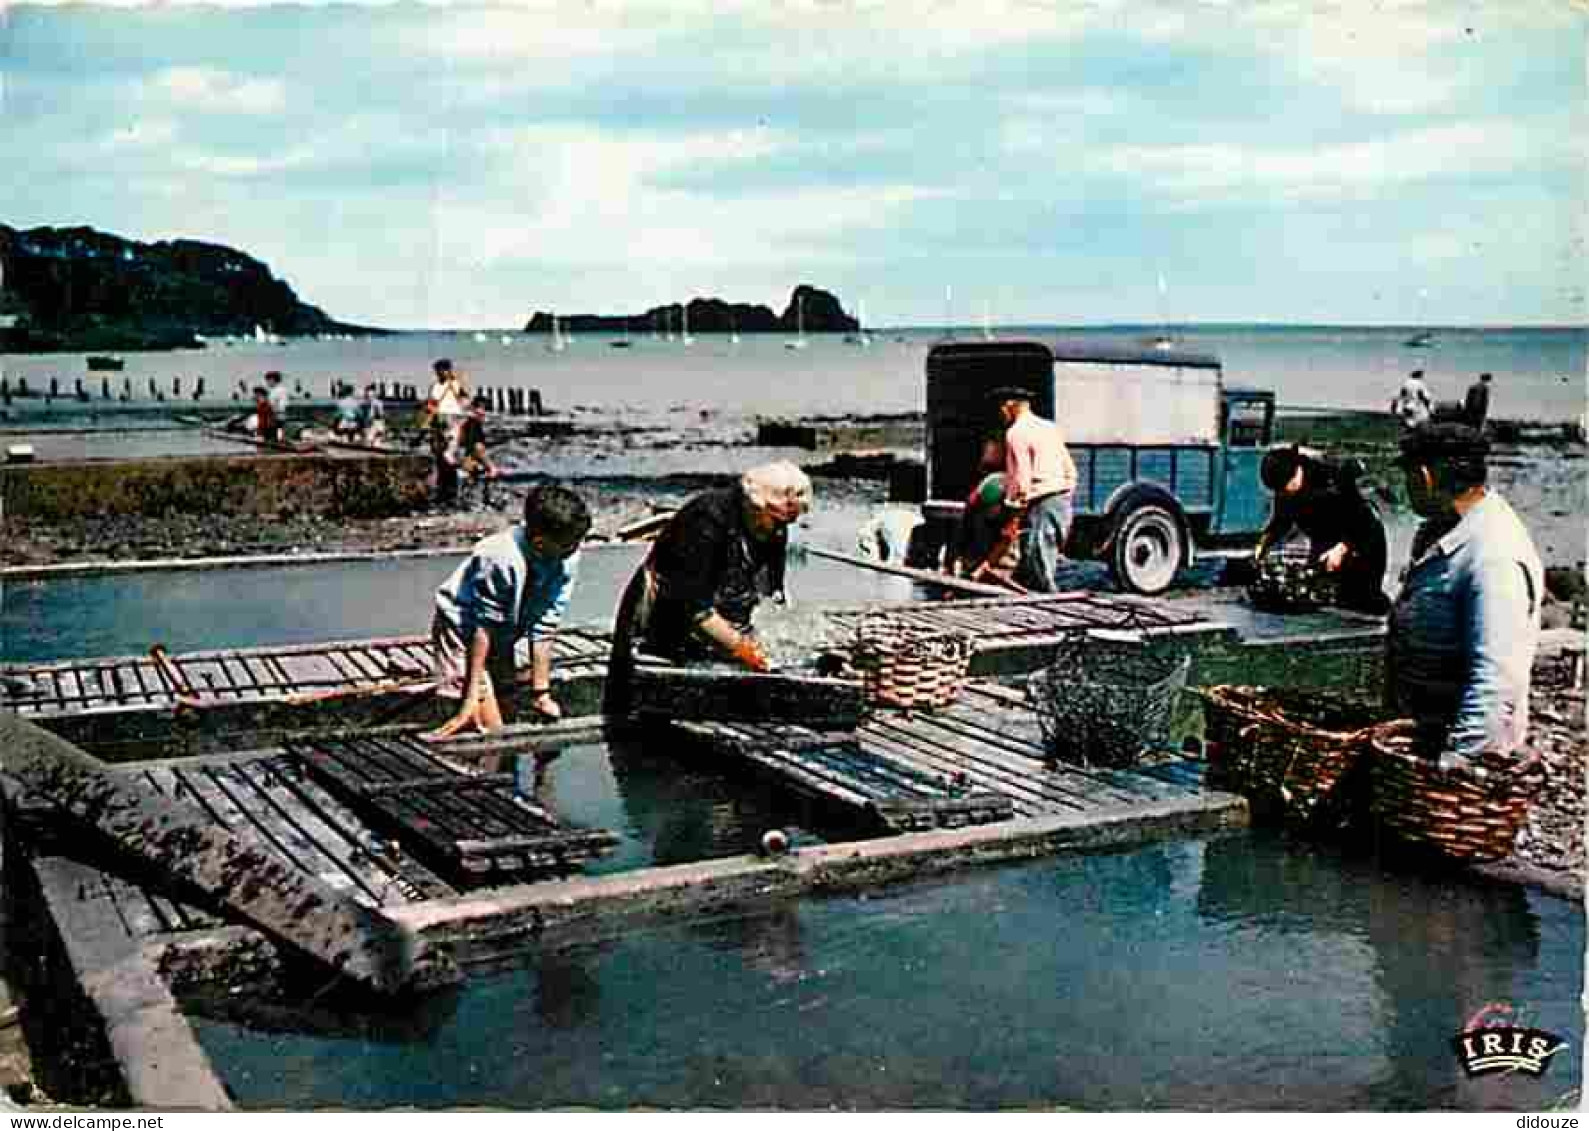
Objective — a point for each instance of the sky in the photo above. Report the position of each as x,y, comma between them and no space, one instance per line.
462,165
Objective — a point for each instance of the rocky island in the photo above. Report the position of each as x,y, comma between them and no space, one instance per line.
69,289
810,309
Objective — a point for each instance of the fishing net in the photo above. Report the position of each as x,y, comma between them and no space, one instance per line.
1107,696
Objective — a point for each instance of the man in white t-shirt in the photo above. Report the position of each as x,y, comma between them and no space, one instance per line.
1412,402
277,393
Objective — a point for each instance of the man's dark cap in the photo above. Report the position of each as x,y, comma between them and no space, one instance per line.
1009,393
1435,443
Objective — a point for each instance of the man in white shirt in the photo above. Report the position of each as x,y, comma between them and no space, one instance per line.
1412,402
1039,481
277,394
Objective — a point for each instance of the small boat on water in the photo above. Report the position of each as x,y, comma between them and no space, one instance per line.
1424,339
104,363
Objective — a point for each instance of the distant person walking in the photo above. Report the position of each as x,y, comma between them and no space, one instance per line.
1039,481
473,457
1412,402
1476,405
277,392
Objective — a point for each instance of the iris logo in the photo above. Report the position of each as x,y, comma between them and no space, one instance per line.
1492,1043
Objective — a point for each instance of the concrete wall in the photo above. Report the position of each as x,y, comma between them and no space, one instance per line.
342,486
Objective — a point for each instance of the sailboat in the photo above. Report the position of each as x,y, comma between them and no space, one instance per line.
622,343
667,325
684,335
860,337
799,341
557,344
987,324
1164,340
480,336
733,330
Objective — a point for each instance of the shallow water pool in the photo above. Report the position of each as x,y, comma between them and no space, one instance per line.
1239,972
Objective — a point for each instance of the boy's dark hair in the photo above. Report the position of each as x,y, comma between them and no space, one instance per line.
1278,466
556,512
259,391
273,375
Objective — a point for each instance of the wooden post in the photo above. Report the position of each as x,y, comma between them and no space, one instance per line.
925,576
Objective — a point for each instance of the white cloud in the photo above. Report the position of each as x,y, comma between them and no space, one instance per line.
143,134
1196,174
220,92
245,165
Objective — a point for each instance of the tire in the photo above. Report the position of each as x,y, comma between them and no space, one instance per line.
1148,549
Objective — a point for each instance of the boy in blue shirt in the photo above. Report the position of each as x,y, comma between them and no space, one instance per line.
515,586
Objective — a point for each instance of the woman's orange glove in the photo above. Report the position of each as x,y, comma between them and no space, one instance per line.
748,652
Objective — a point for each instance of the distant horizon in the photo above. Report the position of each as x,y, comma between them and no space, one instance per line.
977,326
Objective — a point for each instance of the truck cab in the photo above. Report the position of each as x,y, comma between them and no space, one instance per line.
1167,457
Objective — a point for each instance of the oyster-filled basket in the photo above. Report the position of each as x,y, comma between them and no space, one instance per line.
906,665
1462,814
1287,749
1288,580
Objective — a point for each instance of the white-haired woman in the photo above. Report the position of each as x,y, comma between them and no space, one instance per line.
718,557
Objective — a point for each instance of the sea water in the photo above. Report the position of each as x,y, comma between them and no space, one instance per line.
1539,373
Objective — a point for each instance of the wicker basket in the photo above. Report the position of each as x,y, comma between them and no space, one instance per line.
1289,581
1288,751
903,665
1104,702
1453,812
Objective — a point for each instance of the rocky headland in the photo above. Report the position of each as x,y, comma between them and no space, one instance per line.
70,289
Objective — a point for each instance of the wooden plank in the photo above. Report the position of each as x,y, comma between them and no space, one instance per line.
266,822
1030,795
707,693
816,781
926,576
1021,735
868,772
348,838
470,824
182,843
365,665
312,669
324,854
248,678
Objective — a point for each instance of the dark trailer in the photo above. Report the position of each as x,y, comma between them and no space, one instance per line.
1167,456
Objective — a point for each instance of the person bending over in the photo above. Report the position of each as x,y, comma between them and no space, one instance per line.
514,586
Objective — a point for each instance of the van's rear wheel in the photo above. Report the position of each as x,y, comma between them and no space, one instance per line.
1148,549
